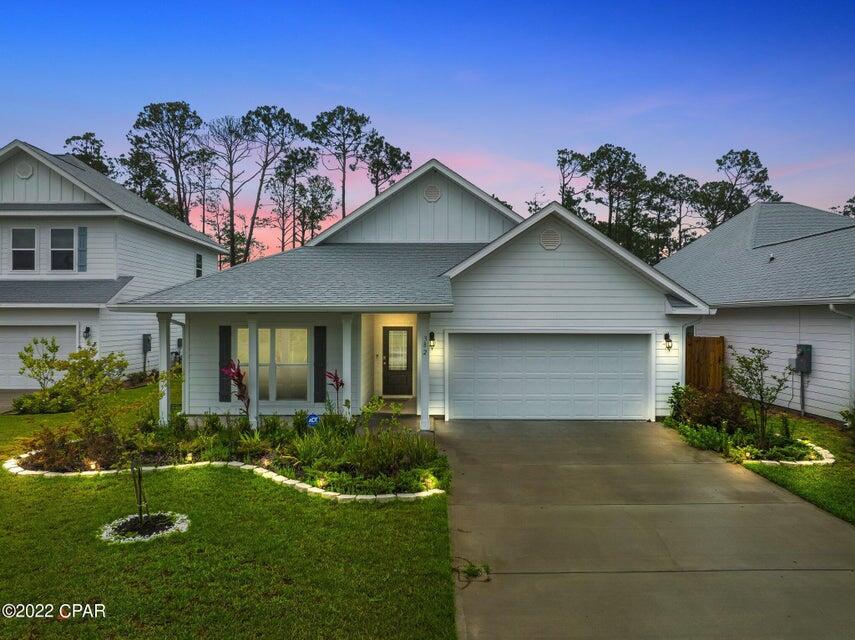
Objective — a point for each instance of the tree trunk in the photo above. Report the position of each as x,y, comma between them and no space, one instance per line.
343,189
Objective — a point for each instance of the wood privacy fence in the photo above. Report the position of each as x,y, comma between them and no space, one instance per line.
705,362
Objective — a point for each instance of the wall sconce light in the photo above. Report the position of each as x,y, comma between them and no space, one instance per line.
668,342
431,340
87,333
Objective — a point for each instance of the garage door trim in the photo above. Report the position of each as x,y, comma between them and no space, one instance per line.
651,333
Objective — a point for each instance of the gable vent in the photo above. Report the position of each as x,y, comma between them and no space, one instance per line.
432,193
550,239
24,170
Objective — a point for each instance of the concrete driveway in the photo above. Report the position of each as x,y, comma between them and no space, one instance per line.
619,530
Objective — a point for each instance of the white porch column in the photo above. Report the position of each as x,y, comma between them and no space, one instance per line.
164,322
185,365
347,361
252,369
423,348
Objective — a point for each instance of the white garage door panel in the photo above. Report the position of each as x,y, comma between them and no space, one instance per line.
14,338
549,376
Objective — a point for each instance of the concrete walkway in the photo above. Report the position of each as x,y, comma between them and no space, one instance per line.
619,530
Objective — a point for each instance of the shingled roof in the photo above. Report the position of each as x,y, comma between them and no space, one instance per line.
771,252
61,291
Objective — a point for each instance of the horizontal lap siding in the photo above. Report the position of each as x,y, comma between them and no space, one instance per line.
458,216
578,286
780,329
202,369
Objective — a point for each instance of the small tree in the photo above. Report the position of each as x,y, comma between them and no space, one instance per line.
750,376
88,381
39,361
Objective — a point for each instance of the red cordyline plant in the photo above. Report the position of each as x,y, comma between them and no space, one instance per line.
336,382
234,373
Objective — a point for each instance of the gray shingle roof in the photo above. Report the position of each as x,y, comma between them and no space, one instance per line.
115,193
333,275
63,291
814,257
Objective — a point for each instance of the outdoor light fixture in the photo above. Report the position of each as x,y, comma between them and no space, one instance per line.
87,332
431,340
668,342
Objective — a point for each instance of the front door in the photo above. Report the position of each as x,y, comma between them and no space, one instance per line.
397,361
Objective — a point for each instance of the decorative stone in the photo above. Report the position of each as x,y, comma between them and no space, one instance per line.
88,473
16,470
54,474
29,472
407,497
11,462
330,495
235,463
315,490
219,463
109,472
386,497
366,498
148,468
346,497
248,467
259,470
302,487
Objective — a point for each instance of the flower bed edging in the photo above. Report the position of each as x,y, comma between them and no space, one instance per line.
12,465
108,531
826,458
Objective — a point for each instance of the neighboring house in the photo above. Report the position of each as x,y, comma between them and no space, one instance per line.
781,274
71,242
435,291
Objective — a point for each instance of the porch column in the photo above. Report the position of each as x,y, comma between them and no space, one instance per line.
347,361
252,369
185,365
164,322
423,348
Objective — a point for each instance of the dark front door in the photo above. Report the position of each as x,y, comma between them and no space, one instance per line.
397,361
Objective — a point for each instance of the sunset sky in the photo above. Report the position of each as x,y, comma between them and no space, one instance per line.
491,90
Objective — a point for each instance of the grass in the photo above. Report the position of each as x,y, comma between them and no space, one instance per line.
829,487
259,561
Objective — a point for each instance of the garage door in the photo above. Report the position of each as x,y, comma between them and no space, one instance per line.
12,341
543,376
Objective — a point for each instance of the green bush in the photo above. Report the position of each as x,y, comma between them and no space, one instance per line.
705,437
43,401
719,409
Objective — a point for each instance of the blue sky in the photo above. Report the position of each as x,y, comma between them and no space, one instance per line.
490,89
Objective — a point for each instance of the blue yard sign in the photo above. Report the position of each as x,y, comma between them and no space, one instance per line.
314,419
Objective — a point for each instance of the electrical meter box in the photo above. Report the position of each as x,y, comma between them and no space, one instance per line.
146,342
804,354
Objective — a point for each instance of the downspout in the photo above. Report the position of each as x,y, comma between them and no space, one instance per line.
834,309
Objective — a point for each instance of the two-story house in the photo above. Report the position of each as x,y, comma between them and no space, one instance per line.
437,294
73,241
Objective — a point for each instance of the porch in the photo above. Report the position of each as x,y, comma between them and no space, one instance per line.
285,358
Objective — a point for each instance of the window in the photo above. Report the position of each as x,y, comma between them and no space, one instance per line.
283,361
198,265
62,249
23,249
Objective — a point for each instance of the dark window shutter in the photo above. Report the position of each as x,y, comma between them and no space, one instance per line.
320,364
225,357
82,249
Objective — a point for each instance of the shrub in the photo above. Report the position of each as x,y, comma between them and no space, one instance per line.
39,361
720,409
43,401
848,416
87,382
140,378
705,437
750,376
55,450
300,421
675,400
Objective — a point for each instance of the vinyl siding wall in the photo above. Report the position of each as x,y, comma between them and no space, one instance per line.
577,287
44,186
780,329
458,216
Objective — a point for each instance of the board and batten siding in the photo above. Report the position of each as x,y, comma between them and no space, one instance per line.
578,287
780,329
44,186
458,216
202,359
100,246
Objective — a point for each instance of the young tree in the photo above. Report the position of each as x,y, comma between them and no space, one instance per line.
273,131
230,140
143,176
572,167
383,162
717,202
340,134
89,148
168,131
614,172
745,173
750,376
316,204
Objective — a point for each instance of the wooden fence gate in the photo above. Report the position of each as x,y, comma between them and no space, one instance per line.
705,362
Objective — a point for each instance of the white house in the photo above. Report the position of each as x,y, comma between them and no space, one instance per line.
435,291
781,275
72,241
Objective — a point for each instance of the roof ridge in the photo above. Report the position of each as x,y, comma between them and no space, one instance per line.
805,237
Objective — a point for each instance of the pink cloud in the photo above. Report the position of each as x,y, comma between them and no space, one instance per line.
821,162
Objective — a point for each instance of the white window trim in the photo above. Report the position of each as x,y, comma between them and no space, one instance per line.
199,265
73,249
310,350
35,249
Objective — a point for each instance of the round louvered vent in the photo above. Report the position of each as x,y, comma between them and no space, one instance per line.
24,170
550,239
432,193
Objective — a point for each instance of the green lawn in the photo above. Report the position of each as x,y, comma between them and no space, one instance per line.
259,560
829,487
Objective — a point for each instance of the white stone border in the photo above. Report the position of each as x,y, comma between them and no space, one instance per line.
108,531
826,458
12,465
